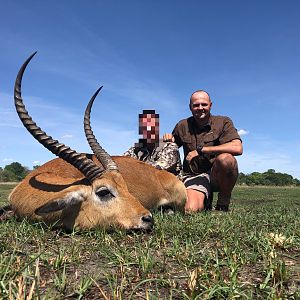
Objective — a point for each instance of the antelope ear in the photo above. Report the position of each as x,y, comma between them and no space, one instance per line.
50,178
56,205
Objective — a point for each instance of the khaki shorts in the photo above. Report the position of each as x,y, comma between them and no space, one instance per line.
199,182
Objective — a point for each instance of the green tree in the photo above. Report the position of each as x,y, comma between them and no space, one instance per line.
296,182
14,172
242,178
254,178
271,177
6,176
279,179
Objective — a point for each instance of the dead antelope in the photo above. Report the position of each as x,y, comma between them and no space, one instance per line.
90,190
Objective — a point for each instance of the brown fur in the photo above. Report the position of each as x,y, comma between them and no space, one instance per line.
56,180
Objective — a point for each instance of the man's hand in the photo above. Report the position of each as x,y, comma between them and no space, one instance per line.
191,155
168,137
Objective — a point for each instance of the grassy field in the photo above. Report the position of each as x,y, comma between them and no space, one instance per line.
252,252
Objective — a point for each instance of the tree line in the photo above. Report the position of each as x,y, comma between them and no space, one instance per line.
16,172
271,177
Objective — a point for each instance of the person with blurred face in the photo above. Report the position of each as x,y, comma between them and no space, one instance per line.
151,149
209,144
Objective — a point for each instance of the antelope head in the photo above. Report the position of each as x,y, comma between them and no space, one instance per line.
101,198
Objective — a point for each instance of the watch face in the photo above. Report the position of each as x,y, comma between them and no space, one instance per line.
199,150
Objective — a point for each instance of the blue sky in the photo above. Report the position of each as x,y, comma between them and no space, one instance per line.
152,55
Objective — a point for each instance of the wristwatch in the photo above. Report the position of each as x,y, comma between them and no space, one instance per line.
199,150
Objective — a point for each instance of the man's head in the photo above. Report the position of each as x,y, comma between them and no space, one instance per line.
149,127
200,105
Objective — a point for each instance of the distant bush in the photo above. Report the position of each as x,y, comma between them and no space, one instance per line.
13,172
268,178
16,172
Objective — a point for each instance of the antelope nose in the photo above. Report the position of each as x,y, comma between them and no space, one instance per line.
148,219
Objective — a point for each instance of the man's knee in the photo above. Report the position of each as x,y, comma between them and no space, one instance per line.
226,161
224,171
195,201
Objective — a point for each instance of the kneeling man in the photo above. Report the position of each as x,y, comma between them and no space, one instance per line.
210,144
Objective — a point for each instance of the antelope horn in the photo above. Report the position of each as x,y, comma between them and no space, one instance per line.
100,153
78,160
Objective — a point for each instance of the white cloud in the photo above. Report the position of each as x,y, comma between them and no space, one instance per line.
67,136
7,159
243,132
36,162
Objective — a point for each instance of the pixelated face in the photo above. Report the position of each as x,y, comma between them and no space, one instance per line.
149,127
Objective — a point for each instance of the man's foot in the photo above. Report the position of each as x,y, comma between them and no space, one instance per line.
208,202
167,210
224,208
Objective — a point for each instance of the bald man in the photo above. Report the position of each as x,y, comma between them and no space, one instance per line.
209,144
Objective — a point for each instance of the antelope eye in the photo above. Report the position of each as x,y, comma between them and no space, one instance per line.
104,194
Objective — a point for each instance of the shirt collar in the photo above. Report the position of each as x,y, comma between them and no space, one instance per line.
207,125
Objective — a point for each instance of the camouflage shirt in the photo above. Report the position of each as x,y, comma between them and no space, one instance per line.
166,156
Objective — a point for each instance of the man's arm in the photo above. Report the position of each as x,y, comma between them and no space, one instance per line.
233,147
168,137
130,152
168,157
174,136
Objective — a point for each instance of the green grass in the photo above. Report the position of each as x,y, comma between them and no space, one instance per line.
5,189
252,252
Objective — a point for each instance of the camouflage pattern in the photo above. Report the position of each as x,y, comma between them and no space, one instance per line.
166,156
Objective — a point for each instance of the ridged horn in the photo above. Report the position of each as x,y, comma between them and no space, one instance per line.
78,160
100,153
